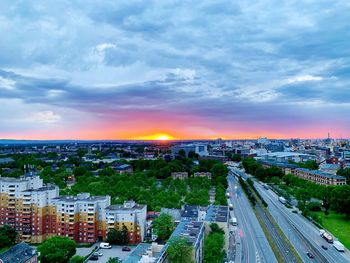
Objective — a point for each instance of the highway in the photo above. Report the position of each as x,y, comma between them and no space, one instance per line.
303,235
254,245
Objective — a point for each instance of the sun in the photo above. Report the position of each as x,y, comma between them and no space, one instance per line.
157,137
162,137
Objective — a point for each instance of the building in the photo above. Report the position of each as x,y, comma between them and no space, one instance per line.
131,215
284,157
82,217
179,175
202,174
20,253
319,177
123,168
6,160
190,213
200,149
147,253
220,215
346,157
329,168
26,204
287,168
194,233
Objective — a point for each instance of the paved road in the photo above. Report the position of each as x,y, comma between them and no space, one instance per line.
254,245
303,235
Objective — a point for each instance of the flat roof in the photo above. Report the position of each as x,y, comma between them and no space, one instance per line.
286,154
324,174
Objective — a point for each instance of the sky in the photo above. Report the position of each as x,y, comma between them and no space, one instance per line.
111,69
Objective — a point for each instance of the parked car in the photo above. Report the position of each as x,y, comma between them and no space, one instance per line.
99,254
93,257
105,245
126,249
309,255
324,247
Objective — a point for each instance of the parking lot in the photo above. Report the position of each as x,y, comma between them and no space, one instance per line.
115,251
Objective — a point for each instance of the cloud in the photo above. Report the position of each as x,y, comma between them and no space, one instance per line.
7,83
46,117
223,64
304,78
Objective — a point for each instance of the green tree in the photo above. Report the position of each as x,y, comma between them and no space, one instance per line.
125,235
182,153
163,226
57,249
113,260
179,251
346,173
77,259
8,236
213,245
340,199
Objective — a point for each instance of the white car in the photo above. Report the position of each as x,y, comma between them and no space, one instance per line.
105,245
98,254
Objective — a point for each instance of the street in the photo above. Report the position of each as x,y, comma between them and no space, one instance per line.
254,246
303,235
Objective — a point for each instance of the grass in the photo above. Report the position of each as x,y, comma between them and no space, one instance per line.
338,225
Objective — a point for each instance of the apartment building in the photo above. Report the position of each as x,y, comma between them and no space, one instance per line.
82,217
26,205
131,215
179,175
320,177
202,174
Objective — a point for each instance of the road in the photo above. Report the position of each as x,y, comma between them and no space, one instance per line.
253,243
303,235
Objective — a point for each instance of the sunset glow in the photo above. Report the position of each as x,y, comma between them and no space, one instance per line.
157,137
124,72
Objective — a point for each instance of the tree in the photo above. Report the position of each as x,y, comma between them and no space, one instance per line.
163,226
125,235
77,259
8,236
179,251
57,249
236,157
113,260
340,200
213,245
346,173
182,153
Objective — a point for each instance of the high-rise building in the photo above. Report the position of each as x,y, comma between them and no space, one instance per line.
82,217
26,205
132,216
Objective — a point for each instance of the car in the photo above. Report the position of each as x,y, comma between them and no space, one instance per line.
105,245
324,247
99,254
309,255
126,249
93,257
118,259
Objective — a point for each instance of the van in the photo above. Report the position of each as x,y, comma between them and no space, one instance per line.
105,245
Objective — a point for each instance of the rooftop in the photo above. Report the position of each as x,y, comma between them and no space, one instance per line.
323,174
189,230
217,214
80,197
286,154
19,253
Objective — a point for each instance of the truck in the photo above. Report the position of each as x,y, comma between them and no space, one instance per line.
339,246
282,199
328,237
233,221
230,206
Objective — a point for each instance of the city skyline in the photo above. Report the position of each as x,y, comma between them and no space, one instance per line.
152,70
